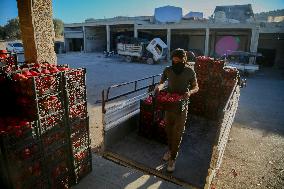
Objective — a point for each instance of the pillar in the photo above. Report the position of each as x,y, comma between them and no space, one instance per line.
212,44
169,43
108,37
254,39
65,41
37,30
206,45
135,31
254,43
84,38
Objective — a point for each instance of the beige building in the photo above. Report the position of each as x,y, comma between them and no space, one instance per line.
201,35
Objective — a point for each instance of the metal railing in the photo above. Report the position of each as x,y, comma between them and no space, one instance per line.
106,93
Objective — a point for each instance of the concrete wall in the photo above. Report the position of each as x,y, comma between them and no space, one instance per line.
243,36
95,39
66,29
73,35
188,42
114,35
179,41
243,41
196,42
150,34
188,39
66,44
118,30
74,44
267,41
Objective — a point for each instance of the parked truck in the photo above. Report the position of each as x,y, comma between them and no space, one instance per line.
245,62
150,52
203,143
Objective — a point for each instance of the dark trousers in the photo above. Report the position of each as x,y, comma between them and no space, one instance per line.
175,125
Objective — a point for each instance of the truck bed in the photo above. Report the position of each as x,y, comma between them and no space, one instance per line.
201,150
194,155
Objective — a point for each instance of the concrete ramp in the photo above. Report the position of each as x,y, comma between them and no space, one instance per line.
194,155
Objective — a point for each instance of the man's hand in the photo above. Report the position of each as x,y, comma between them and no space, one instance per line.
187,95
194,89
156,90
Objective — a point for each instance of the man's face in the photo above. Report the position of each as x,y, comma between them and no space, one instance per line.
176,60
178,65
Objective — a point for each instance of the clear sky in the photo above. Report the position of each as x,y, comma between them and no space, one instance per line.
71,11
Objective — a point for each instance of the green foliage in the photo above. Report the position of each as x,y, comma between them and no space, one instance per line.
2,33
12,29
58,27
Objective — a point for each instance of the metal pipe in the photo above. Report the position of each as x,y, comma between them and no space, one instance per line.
135,86
103,102
124,94
127,83
231,95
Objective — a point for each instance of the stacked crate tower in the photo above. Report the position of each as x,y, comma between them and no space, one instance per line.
44,128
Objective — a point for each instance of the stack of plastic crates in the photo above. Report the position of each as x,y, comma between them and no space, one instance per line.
22,156
50,112
35,140
8,61
152,124
44,130
53,130
78,122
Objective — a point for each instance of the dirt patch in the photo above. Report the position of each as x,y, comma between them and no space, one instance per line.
254,156
252,160
96,130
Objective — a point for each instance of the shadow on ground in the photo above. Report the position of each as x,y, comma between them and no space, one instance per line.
262,101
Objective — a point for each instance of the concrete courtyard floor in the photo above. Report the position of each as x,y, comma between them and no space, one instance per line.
254,157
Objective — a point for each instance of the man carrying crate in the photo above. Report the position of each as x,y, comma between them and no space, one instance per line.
182,80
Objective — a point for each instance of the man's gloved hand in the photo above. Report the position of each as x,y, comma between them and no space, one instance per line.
187,95
156,90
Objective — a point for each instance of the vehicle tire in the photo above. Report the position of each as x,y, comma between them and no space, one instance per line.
150,61
157,62
128,59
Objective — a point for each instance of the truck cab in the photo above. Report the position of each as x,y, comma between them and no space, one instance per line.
158,48
137,49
